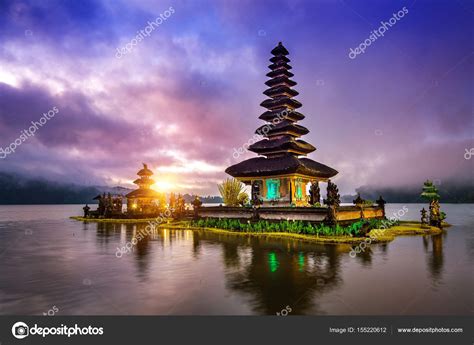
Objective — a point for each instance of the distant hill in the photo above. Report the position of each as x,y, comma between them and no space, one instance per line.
205,199
450,192
18,190
15,190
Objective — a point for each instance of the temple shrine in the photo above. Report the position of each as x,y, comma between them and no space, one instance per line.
281,173
143,200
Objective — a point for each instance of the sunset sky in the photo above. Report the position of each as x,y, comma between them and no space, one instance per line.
189,93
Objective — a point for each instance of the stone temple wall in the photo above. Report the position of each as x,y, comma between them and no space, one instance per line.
310,214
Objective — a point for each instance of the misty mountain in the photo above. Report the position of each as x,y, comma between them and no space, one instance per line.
450,192
19,190
22,191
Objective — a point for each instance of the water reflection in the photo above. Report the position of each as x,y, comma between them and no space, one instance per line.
202,273
268,274
271,274
435,258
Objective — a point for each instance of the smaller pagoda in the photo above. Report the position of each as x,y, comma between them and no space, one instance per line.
143,200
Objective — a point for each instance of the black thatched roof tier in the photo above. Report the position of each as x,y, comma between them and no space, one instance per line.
280,73
284,165
284,127
279,50
143,193
282,113
283,102
285,143
280,91
279,64
276,59
280,81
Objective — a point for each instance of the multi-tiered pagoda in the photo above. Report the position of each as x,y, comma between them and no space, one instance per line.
143,200
280,175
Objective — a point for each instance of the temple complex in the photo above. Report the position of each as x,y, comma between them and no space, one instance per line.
143,200
281,173
109,205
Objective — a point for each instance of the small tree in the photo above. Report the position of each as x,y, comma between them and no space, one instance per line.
430,192
231,191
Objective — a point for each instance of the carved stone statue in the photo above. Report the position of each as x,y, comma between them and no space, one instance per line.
424,216
333,197
197,203
86,211
333,201
314,193
435,217
256,194
381,203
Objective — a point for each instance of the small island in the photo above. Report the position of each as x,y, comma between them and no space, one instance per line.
279,178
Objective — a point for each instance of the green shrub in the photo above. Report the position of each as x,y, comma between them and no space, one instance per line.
295,226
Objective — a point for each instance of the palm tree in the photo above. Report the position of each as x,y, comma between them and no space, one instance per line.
232,192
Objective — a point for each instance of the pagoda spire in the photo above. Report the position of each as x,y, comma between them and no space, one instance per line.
144,181
281,130
279,174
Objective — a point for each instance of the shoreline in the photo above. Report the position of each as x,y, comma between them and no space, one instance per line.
113,220
405,228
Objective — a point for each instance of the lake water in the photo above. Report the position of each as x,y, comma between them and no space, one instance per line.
51,263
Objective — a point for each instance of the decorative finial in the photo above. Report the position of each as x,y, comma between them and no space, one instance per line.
144,166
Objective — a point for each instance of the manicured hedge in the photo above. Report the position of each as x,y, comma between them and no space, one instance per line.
296,227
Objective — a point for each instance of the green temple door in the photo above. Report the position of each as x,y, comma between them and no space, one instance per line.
273,189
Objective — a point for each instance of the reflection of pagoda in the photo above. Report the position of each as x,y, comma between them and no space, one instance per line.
272,275
143,200
281,176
